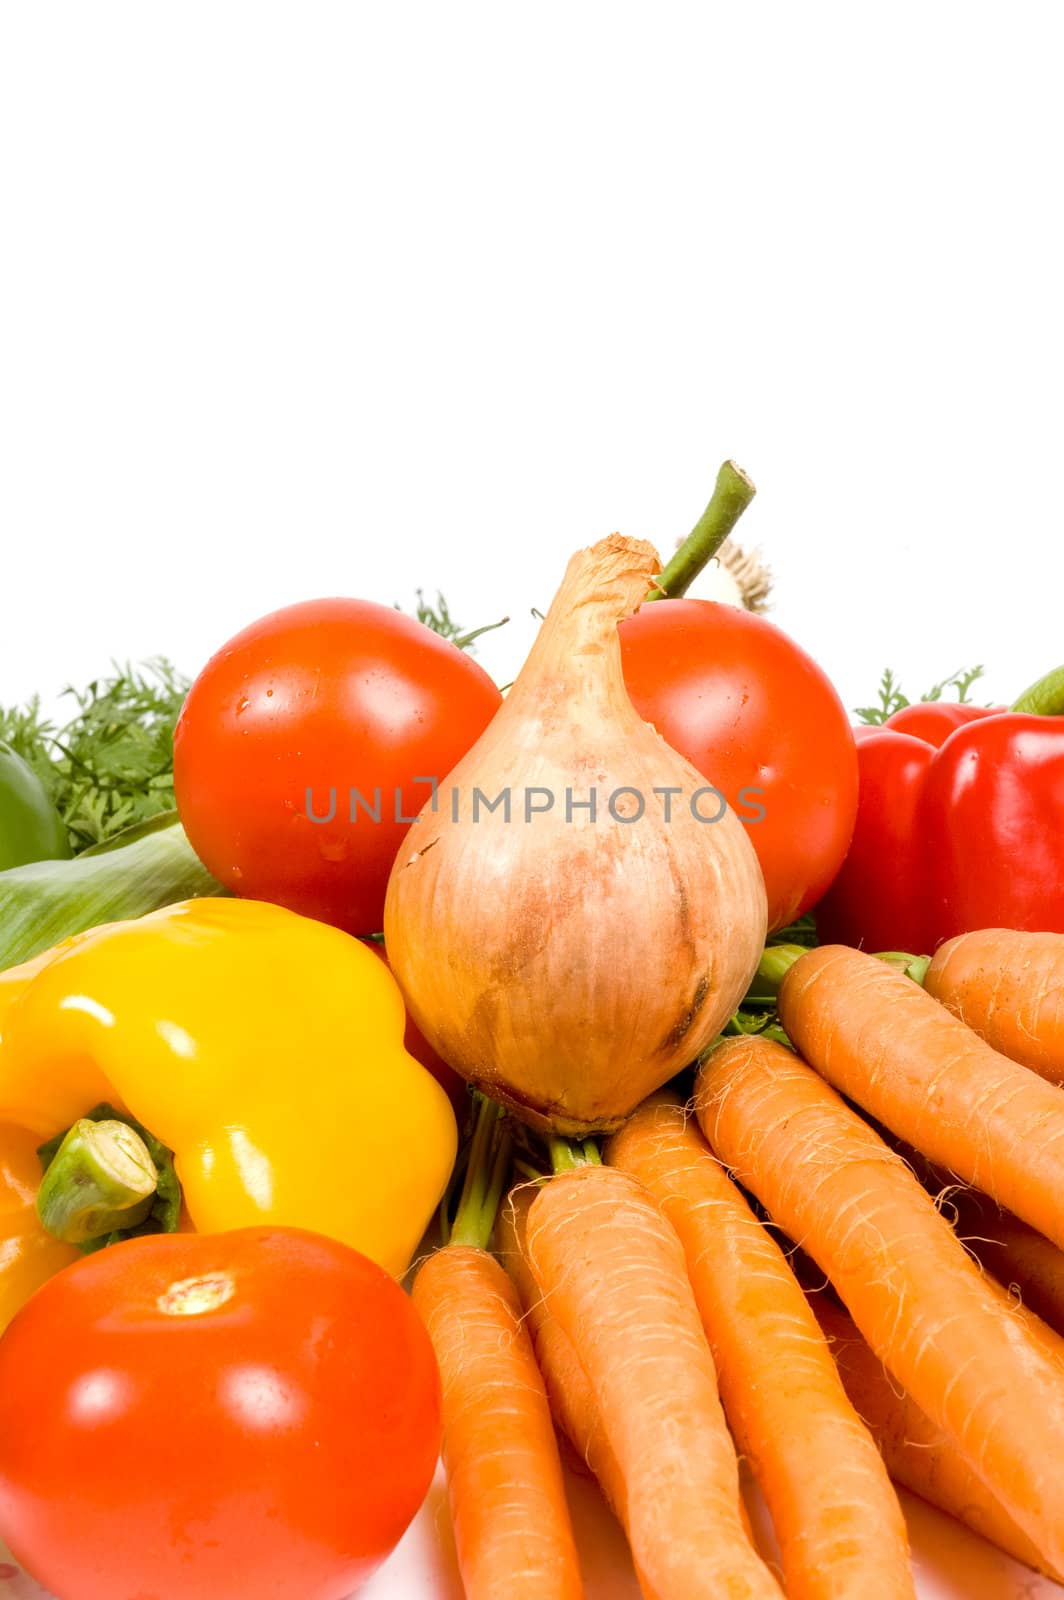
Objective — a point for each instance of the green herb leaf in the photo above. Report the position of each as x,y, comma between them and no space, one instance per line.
802,931
439,619
960,681
111,764
891,697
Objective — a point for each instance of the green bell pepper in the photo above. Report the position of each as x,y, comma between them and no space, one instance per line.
31,829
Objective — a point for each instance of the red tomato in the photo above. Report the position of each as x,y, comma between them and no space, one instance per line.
297,753
227,1415
763,724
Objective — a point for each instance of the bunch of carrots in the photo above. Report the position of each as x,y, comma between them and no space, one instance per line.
647,1302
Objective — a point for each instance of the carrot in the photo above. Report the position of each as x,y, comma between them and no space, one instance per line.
837,1519
1009,987
511,1520
1022,1260
504,1475
568,1389
885,1043
1015,1254
613,1273
976,1369
916,1453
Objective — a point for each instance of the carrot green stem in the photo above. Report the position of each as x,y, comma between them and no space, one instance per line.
485,1177
1044,698
914,967
765,1024
732,494
567,1154
776,961
102,1179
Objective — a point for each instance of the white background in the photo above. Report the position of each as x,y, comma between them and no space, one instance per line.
356,298
353,298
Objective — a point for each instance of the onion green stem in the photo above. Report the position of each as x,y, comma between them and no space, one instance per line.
732,494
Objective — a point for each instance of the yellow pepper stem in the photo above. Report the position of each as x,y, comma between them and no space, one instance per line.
102,1179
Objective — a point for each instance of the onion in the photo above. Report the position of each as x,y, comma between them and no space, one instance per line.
568,963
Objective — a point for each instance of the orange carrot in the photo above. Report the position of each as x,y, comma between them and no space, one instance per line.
1009,987
1015,1254
613,1273
568,1388
973,1366
836,1516
511,1520
1022,1260
885,1043
917,1454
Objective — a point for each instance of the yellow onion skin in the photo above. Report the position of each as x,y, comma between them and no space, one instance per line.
569,967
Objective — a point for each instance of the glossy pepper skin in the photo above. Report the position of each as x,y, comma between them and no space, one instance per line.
960,825
28,1255
263,1048
31,829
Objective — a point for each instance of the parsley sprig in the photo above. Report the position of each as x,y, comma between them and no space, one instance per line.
438,618
892,698
111,763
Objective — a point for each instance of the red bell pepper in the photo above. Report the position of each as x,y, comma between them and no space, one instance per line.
960,825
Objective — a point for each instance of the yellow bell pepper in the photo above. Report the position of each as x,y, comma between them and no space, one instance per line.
265,1050
28,1255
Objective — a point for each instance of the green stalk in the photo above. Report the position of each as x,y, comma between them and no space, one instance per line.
1044,698
764,1024
568,1154
102,1180
776,961
732,494
485,1176
914,967
163,1213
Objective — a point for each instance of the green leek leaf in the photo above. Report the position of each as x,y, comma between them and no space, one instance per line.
142,869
